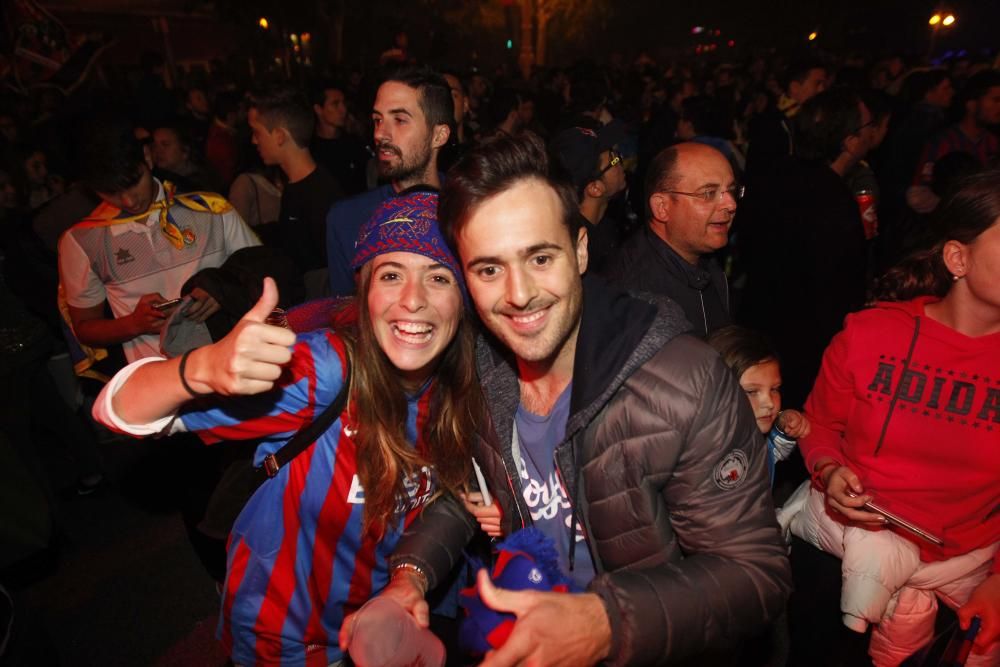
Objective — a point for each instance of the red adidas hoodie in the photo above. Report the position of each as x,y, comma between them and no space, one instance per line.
913,407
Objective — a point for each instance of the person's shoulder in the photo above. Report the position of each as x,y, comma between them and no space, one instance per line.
629,258
327,354
683,363
363,201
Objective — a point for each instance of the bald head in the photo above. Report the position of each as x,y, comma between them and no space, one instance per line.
691,199
668,167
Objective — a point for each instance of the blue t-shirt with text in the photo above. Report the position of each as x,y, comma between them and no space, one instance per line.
538,437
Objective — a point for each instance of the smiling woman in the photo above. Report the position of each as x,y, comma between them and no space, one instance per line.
317,535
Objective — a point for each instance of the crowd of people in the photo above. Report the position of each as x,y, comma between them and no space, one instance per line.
577,303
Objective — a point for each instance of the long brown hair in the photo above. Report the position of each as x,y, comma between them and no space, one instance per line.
378,407
973,208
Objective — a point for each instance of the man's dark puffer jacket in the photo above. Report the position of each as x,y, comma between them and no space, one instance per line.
667,472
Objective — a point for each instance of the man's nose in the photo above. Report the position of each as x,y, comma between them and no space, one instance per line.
521,288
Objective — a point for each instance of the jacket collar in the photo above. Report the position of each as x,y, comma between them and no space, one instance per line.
697,276
619,332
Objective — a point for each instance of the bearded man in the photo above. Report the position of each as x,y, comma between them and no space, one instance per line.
413,117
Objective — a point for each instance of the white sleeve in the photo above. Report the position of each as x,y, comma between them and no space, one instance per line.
105,413
82,286
237,233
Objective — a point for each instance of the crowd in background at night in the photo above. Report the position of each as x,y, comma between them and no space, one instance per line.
842,169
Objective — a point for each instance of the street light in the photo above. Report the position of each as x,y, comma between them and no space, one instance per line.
813,36
263,23
937,21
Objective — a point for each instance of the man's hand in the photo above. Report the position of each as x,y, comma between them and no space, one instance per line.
202,306
984,603
488,516
845,493
551,629
408,590
145,319
251,356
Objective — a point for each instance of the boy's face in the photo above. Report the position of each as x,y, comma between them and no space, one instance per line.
334,109
762,383
267,141
136,199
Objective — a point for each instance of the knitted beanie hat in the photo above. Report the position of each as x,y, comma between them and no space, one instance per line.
526,560
407,223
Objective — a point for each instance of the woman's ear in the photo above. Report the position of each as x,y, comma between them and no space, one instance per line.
956,258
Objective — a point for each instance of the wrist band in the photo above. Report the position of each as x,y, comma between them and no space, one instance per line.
184,383
817,476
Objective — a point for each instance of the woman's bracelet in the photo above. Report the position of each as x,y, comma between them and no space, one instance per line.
184,382
817,476
413,569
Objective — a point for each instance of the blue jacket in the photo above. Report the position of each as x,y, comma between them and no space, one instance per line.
343,223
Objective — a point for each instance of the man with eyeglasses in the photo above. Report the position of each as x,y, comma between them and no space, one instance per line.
691,199
595,168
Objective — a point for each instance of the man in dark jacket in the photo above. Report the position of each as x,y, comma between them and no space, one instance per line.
691,199
801,239
655,484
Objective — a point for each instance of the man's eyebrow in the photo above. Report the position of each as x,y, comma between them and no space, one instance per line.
525,252
538,247
401,111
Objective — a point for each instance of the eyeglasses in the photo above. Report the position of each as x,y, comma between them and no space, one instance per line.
709,195
616,159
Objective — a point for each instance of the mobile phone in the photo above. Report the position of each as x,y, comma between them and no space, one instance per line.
166,305
900,522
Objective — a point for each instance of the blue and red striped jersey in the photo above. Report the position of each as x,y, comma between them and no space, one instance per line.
953,140
299,560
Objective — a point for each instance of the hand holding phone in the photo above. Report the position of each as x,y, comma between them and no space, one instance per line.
166,305
900,522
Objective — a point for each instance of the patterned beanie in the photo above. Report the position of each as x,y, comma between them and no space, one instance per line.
407,223
526,560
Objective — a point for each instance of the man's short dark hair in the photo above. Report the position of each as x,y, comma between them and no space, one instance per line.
458,77
707,116
979,85
181,128
284,106
660,175
798,71
919,82
503,102
824,122
493,167
318,90
435,94
110,158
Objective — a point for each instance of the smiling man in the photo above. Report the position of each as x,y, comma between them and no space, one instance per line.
412,117
654,477
692,197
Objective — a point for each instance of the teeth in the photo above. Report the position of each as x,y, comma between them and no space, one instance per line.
413,327
528,319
